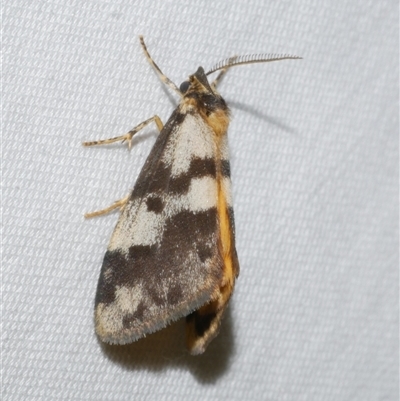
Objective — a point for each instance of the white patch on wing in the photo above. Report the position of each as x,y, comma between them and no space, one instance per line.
193,139
146,226
109,318
128,299
201,196
142,227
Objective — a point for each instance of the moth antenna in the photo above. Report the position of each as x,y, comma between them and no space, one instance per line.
250,59
160,74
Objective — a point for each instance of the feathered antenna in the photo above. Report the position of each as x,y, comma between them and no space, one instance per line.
249,59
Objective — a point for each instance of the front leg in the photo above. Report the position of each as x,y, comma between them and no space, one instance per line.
128,136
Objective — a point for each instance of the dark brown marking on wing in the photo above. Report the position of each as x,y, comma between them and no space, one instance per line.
155,204
186,230
131,319
159,180
198,168
112,270
156,294
205,251
174,295
225,168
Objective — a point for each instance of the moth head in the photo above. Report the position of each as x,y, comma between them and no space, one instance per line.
200,94
198,83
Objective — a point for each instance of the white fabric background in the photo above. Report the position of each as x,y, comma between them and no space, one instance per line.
314,147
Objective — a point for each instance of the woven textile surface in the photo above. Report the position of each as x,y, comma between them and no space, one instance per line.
314,157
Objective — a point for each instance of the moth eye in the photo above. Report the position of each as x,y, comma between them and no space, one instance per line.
184,86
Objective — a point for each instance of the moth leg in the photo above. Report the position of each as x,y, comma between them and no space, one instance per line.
117,204
163,77
202,325
128,136
218,79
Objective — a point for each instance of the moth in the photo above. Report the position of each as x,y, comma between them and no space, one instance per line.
172,253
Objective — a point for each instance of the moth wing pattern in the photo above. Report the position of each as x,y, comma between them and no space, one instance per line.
165,258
